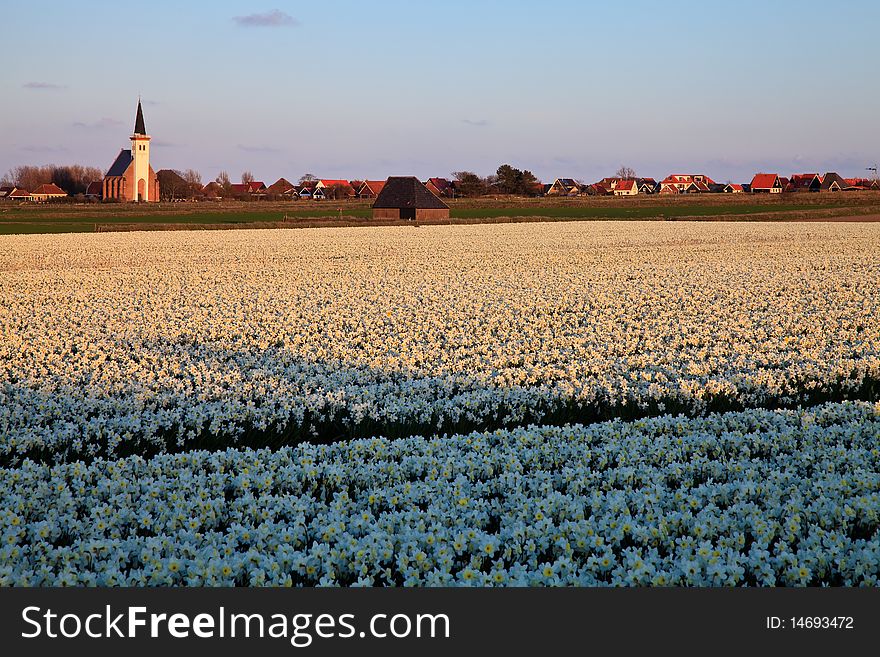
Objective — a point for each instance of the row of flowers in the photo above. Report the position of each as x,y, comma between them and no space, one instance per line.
743,498
136,343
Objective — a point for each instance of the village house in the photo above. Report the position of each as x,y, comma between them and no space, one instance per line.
626,188
766,183
94,190
688,183
19,195
861,184
803,182
130,177
281,189
442,187
646,185
405,197
340,189
252,189
370,188
832,182
6,191
47,192
733,188
213,191
564,187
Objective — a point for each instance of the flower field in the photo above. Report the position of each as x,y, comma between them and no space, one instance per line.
112,345
755,497
610,403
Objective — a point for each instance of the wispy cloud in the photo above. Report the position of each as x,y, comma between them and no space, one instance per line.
100,124
274,18
48,86
258,149
44,149
165,144
478,123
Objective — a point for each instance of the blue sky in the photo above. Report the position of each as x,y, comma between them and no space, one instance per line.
352,89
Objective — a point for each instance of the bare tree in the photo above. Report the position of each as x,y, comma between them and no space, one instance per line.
224,182
72,178
337,191
247,177
307,178
193,181
625,173
193,177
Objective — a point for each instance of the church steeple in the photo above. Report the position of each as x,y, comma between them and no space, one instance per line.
139,128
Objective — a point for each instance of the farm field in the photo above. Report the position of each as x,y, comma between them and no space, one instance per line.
620,402
52,218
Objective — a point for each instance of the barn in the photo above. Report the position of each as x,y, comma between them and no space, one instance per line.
405,197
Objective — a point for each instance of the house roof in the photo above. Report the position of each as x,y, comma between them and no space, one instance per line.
281,186
7,190
407,192
830,178
49,189
249,188
20,193
330,183
95,188
803,180
375,186
120,164
139,128
626,185
698,178
764,180
442,184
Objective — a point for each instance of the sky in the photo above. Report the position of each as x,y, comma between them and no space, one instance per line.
366,90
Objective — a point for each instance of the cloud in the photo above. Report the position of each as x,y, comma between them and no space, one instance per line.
274,18
44,149
258,149
43,85
479,123
105,122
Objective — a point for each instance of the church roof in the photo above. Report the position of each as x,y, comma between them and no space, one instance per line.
407,192
120,164
139,128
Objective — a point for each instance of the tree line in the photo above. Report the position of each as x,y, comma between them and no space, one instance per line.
177,184
72,178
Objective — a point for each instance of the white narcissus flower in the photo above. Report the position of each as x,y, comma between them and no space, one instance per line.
118,343
663,501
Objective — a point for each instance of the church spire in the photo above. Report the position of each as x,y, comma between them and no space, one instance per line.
139,128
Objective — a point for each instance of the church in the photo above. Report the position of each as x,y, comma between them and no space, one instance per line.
130,177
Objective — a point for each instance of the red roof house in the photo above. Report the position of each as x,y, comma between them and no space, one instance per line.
766,183
626,188
253,188
441,187
343,186
47,191
370,188
803,182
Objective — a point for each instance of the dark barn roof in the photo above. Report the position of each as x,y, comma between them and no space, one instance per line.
407,192
120,164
